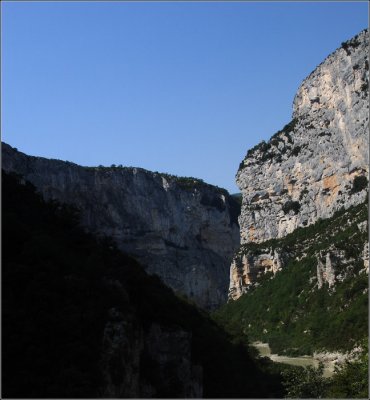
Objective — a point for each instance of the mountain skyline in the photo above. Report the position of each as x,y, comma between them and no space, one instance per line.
116,279
162,86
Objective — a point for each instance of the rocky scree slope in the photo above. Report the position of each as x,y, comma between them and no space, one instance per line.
181,229
307,170
316,165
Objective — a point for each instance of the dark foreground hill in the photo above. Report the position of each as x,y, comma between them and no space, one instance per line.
82,319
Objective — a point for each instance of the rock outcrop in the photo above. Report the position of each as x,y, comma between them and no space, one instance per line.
181,229
318,163
365,257
332,266
248,265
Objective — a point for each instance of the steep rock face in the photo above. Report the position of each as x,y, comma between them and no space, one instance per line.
328,263
317,163
247,266
181,229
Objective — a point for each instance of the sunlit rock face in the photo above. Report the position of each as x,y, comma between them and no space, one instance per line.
314,166
247,266
183,230
307,171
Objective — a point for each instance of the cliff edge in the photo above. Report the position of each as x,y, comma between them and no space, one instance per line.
318,163
316,166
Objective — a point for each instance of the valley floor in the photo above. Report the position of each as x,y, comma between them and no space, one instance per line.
302,361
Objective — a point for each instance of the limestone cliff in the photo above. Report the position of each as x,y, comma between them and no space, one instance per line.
308,170
316,165
181,229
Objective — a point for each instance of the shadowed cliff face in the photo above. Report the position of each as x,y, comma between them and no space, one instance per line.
316,165
183,230
82,319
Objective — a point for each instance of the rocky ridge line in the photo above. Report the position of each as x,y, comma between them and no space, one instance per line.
313,166
181,229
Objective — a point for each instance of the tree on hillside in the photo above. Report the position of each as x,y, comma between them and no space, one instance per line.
351,379
305,382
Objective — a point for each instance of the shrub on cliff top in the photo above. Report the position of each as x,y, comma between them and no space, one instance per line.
291,205
359,183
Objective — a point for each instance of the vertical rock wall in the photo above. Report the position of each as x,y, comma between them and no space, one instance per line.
311,168
316,165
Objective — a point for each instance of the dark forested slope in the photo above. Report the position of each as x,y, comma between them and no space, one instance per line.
82,319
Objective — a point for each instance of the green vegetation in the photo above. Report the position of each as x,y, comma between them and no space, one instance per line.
322,234
238,197
113,167
56,298
288,311
296,318
303,193
291,206
359,183
349,381
287,129
303,383
346,48
354,43
296,150
264,147
186,182
190,183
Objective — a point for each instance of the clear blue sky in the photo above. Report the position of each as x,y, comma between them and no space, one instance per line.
183,88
